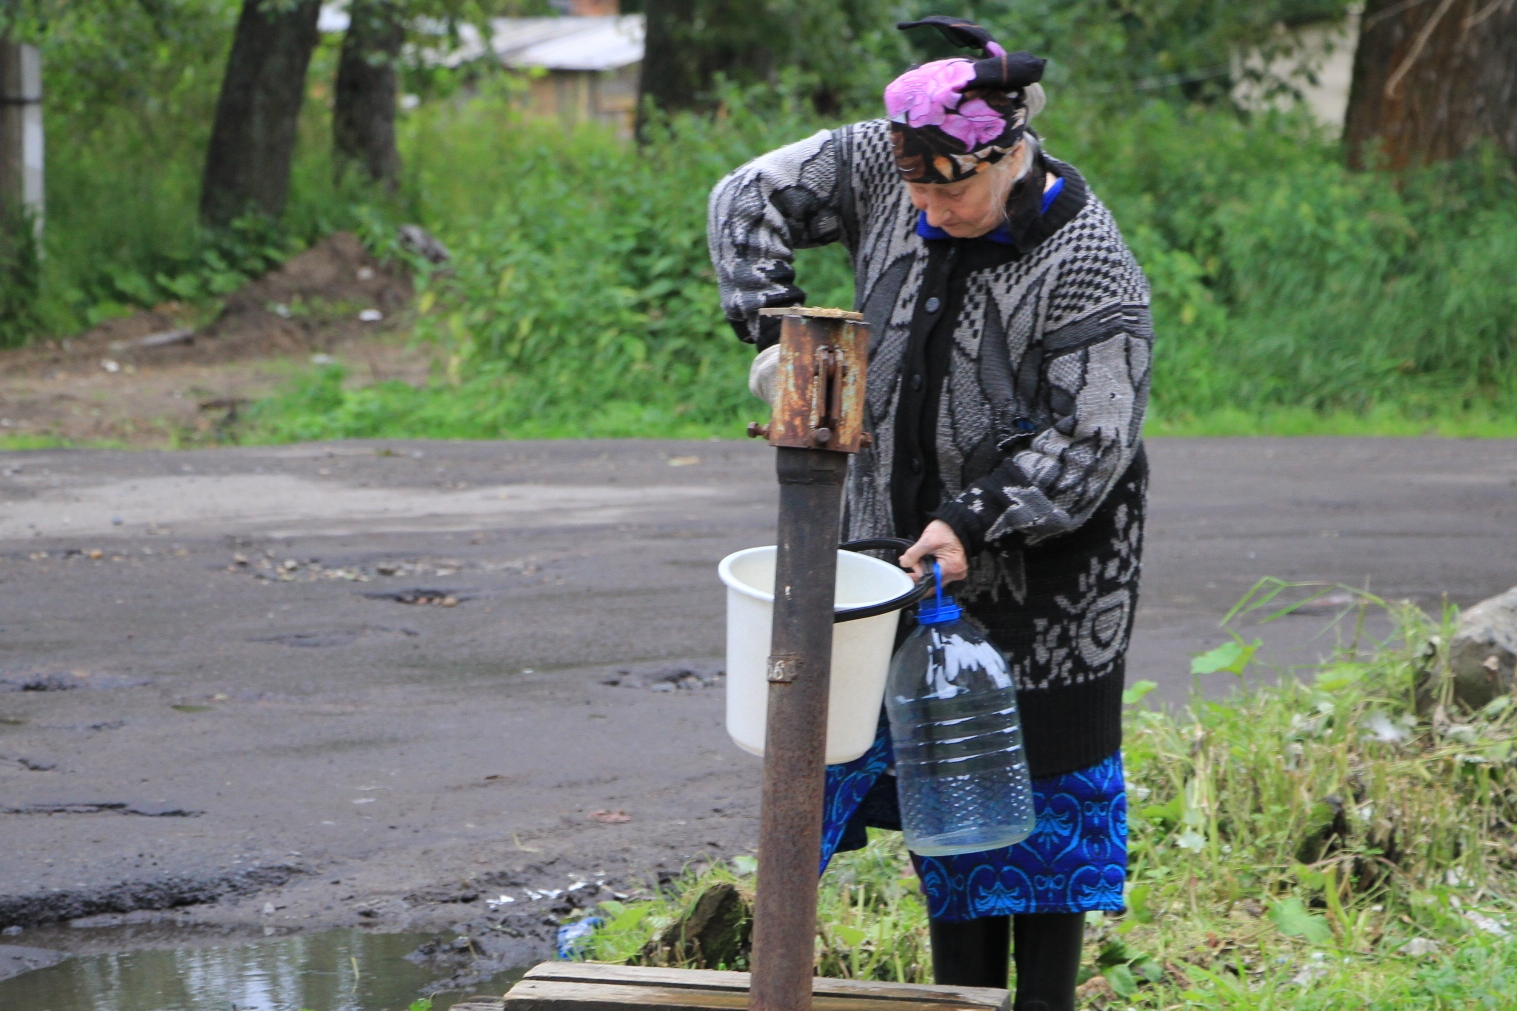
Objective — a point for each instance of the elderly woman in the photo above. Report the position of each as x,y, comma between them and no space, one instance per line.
1008,376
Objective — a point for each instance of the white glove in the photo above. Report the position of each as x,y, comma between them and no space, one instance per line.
763,373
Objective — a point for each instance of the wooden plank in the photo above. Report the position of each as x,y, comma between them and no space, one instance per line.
732,987
553,995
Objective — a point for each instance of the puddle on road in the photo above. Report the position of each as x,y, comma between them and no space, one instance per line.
337,970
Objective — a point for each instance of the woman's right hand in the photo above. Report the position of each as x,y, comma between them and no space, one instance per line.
940,541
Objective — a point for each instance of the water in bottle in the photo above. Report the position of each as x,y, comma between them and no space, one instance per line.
961,771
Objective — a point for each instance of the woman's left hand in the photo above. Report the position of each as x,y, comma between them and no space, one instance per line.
939,540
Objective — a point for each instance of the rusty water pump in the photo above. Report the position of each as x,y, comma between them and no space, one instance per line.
817,420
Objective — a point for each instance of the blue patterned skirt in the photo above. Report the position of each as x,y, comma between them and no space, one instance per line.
1075,861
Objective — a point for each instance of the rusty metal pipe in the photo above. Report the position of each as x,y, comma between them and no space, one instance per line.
816,422
800,666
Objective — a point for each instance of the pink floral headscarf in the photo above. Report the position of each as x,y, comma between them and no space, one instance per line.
951,119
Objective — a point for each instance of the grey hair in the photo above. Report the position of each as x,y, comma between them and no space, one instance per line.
1035,98
1029,159
1029,156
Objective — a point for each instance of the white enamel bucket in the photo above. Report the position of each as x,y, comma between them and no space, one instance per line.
860,649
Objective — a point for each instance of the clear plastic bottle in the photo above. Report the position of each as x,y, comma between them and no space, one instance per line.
960,767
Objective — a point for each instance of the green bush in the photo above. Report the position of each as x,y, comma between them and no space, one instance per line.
20,276
1287,290
1290,294
1283,280
581,300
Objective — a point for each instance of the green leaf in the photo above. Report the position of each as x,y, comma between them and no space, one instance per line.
1148,968
1121,979
1115,952
1496,706
1131,696
745,864
1137,903
850,936
1310,876
134,286
1292,919
1339,675
1230,657
1167,814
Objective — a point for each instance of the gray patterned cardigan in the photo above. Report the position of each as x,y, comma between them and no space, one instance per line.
1061,337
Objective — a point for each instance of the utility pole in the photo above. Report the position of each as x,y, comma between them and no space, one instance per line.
21,131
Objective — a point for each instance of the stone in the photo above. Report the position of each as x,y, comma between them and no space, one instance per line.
1482,654
714,933
1096,993
423,243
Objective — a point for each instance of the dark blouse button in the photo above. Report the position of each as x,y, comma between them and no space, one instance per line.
916,381
933,305
916,466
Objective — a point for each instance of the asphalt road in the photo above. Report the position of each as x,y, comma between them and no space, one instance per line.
212,717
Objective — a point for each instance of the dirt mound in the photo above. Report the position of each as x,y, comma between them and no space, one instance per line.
312,303
333,290
152,375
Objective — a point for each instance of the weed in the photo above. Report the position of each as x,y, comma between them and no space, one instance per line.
1313,843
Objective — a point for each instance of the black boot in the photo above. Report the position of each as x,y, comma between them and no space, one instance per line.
1048,947
971,952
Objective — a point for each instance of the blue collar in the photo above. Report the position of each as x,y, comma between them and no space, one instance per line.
1001,234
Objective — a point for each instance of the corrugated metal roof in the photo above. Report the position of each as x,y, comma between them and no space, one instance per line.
569,43
333,18
563,43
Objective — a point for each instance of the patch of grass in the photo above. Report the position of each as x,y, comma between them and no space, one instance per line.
324,403
1320,843
9,443
1386,420
490,404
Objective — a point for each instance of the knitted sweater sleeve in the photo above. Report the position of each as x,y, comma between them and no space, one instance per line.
1095,372
759,215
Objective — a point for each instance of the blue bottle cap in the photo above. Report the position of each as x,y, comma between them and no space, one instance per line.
939,610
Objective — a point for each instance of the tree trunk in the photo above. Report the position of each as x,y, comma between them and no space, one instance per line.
666,79
688,42
247,165
1432,78
363,120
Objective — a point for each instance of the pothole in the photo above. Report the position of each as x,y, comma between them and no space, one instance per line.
425,596
336,637
667,679
53,681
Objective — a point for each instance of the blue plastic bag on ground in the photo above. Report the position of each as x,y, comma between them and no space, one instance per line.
574,937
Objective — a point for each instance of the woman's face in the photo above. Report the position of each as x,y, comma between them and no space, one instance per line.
970,207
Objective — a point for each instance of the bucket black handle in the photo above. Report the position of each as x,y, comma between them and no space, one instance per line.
923,587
